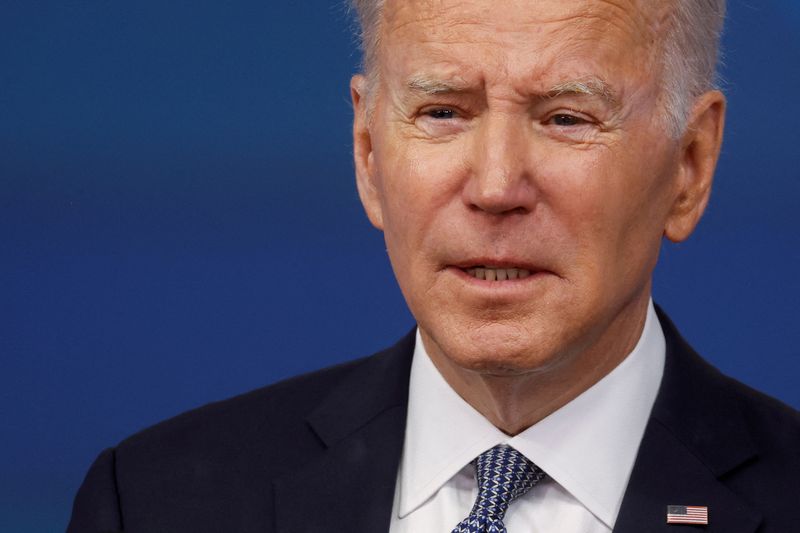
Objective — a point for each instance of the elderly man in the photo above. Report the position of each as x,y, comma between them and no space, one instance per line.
524,160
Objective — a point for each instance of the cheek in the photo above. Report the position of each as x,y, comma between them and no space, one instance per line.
576,189
418,186
608,206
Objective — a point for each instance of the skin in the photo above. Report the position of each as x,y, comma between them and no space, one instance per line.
470,151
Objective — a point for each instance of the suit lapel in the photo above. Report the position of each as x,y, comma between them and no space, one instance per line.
695,436
667,473
350,485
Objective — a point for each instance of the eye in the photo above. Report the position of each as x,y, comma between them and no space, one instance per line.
564,119
441,121
441,113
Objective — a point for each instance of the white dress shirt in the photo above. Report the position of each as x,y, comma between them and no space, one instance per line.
587,448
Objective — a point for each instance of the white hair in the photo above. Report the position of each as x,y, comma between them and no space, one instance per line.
689,59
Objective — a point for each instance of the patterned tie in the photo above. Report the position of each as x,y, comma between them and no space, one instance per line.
503,475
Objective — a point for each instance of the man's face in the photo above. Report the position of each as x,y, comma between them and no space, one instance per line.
518,164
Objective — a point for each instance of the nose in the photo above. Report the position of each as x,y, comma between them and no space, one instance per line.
500,180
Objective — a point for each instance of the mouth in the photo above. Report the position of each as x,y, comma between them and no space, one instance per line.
497,269
493,273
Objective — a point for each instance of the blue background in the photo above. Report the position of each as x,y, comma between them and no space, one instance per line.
179,222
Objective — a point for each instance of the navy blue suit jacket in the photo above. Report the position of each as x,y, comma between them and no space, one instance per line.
320,452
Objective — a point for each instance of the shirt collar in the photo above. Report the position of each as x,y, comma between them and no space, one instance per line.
588,446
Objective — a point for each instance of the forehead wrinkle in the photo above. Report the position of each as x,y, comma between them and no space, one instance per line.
632,16
430,15
595,26
644,21
438,24
588,25
635,16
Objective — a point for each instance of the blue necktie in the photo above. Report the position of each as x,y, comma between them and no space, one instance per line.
503,475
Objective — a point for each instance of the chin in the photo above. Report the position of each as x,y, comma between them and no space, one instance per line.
498,349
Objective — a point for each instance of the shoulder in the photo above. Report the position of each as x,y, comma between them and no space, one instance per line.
262,430
706,389
221,460
271,414
280,405
749,440
773,425
694,390
773,434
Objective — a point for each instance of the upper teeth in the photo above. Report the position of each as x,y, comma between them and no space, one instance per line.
498,274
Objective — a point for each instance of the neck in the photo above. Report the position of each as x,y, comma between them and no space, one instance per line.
515,402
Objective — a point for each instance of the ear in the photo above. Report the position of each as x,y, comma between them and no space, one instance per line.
699,151
362,152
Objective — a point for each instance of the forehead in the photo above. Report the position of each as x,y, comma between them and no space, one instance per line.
525,37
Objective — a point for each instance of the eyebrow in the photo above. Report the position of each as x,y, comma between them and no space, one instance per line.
591,86
431,86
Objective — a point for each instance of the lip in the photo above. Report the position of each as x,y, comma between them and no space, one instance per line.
494,262
506,287
534,274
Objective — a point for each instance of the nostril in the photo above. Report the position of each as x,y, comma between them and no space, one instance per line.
500,196
519,210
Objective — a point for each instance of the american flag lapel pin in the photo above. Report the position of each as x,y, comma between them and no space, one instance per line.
687,514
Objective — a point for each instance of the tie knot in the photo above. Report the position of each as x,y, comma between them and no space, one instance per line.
504,474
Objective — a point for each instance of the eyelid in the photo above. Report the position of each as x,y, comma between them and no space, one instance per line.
580,115
441,128
428,110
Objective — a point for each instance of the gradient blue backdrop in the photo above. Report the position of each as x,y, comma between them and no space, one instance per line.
179,223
